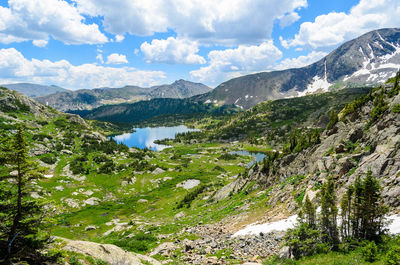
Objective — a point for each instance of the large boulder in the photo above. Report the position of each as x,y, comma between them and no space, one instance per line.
111,254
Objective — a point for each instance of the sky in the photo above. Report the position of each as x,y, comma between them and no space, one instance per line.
79,44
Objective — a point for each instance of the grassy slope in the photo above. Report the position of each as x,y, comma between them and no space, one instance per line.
156,216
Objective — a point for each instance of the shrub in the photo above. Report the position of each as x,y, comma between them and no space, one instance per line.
41,136
370,252
302,240
48,158
228,156
333,119
107,167
393,256
138,243
396,108
61,122
187,200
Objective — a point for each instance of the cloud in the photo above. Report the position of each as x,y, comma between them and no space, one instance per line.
119,38
300,61
288,19
334,28
14,67
116,58
40,43
231,63
207,21
172,51
38,20
99,57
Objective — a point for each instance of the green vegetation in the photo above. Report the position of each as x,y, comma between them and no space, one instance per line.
108,193
143,110
396,108
362,216
22,218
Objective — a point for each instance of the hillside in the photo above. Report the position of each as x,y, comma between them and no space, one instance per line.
270,123
367,60
86,99
143,110
34,90
365,137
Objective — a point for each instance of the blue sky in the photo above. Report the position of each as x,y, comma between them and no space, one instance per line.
100,43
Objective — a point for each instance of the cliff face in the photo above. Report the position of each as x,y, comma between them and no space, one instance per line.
347,151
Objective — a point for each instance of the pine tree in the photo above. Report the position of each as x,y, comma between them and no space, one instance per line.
345,206
21,216
328,216
333,119
372,208
309,213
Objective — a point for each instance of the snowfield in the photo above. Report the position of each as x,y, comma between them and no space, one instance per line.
284,224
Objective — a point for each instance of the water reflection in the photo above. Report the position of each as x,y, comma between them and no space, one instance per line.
145,137
257,156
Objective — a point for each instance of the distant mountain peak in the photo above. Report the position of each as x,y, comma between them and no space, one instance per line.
35,90
92,98
367,60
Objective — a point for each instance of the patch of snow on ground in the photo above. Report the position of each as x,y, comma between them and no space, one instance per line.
255,229
285,224
188,184
394,226
207,101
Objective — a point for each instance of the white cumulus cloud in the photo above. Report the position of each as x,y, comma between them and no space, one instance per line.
231,63
300,61
14,67
334,28
116,58
38,20
206,21
172,51
288,19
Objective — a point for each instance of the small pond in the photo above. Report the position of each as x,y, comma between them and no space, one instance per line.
145,137
257,156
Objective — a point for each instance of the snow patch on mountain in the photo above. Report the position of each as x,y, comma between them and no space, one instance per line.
318,85
377,69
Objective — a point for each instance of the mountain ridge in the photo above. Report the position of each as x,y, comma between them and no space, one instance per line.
91,98
34,90
369,59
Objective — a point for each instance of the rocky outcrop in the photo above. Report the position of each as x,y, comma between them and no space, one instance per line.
347,151
215,239
111,254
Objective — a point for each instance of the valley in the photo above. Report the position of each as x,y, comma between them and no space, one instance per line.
182,204
270,168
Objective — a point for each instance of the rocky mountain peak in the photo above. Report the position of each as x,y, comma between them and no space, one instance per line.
367,60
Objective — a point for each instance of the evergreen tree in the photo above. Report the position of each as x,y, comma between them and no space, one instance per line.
305,239
363,211
328,216
345,206
309,213
372,208
333,119
21,217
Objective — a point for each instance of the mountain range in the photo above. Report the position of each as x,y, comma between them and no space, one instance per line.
34,90
367,60
85,99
